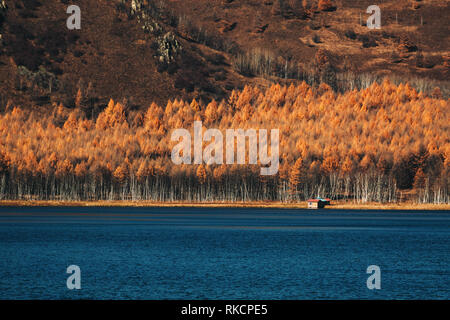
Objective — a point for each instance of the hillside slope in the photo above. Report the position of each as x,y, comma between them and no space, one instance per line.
110,57
139,51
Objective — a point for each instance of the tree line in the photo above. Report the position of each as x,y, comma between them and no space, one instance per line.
386,143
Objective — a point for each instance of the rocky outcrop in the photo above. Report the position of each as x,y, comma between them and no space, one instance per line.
145,15
151,26
166,44
136,6
42,78
168,48
3,9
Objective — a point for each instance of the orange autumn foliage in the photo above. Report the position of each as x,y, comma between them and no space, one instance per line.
385,128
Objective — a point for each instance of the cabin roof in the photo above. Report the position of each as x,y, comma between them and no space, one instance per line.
319,199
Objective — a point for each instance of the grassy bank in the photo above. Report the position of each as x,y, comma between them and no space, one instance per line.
268,204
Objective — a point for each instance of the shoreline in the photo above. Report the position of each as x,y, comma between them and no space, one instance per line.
255,204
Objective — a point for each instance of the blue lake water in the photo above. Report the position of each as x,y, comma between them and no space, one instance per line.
192,253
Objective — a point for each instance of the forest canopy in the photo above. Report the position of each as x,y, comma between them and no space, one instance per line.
367,145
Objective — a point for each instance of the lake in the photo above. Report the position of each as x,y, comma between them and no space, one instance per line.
222,253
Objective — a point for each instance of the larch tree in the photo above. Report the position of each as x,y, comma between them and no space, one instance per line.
296,176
